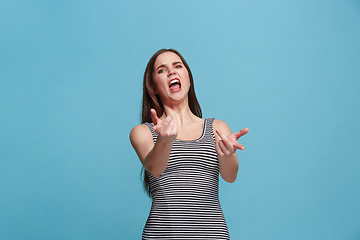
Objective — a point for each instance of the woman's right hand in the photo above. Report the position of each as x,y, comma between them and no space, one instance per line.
166,129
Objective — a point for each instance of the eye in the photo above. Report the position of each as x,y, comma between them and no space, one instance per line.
178,66
161,71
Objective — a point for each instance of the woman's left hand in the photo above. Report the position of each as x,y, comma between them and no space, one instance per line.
228,145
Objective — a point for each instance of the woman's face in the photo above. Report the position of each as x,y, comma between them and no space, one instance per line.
171,78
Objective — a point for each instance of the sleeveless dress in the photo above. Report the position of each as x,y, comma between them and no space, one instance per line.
185,200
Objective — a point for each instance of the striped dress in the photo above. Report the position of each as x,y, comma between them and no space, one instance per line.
185,197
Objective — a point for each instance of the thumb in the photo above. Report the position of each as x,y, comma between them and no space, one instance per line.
154,117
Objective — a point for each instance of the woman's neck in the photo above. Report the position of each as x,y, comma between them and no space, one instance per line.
181,114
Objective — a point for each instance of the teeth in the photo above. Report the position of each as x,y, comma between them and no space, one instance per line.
174,81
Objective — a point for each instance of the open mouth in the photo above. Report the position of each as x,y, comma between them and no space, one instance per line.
175,85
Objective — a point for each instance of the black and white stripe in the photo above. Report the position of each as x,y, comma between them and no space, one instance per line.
185,197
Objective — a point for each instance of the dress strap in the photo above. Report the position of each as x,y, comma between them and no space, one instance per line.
153,133
209,128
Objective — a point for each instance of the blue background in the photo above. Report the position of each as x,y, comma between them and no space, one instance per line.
70,92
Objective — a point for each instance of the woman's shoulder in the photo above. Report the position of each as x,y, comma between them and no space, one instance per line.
139,133
141,140
140,127
219,122
221,125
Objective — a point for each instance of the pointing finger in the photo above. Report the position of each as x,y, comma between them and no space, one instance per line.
223,148
218,150
221,135
240,133
225,141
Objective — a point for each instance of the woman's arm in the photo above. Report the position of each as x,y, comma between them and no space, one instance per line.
154,157
226,145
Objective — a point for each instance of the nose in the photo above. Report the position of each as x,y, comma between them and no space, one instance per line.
171,72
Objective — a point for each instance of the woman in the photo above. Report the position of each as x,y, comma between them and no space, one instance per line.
181,155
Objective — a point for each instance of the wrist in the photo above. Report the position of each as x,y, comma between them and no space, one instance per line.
165,140
228,157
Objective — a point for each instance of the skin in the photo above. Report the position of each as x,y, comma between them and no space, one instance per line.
178,122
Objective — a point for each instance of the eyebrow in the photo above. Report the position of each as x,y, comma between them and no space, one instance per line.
163,65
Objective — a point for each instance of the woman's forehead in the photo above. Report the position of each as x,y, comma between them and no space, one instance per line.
166,58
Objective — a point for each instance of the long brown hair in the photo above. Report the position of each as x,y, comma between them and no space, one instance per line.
152,100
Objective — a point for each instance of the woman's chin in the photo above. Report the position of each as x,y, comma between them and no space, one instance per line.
177,97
